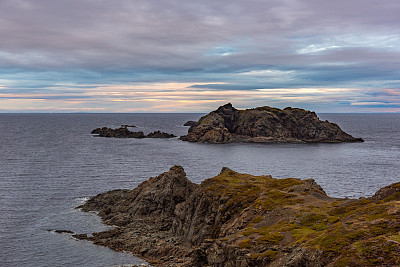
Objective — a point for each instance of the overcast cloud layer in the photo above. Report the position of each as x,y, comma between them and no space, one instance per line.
192,56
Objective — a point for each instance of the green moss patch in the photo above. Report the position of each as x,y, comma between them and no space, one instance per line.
246,243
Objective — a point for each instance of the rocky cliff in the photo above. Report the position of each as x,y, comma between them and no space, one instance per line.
265,124
237,219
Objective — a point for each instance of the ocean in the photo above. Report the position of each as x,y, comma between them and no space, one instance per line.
49,164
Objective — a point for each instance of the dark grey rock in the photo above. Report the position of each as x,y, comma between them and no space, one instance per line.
265,125
124,132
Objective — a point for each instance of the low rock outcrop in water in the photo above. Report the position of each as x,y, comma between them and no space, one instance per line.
158,134
265,124
123,132
243,220
190,123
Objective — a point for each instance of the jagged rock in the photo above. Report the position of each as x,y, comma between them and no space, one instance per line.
123,132
190,123
225,169
158,134
99,130
237,219
265,124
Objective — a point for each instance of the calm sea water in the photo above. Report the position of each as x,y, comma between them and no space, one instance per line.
49,163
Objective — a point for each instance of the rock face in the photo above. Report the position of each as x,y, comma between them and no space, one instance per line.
265,124
237,219
123,132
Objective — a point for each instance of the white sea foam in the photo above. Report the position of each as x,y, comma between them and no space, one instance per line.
81,200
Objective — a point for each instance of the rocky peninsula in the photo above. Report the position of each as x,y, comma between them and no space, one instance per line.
236,219
124,132
265,125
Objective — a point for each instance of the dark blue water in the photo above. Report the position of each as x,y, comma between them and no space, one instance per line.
49,163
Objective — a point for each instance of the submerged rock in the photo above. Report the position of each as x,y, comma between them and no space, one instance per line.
264,125
64,231
236,219
123,132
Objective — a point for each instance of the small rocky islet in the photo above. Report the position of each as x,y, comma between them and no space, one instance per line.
237,219
265,125
124,132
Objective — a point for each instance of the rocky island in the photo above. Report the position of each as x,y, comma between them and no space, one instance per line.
264,125
236,219
124,132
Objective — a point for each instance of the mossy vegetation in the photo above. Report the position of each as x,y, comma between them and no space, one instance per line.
246,243
276,213
258,219
395,196
244,190
269,254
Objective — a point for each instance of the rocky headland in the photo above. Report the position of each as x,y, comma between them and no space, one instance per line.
236,219
124,132
265,125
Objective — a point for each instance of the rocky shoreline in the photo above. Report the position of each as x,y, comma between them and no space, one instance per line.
236,219
265,125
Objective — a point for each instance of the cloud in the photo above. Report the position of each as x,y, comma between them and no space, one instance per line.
185,97
370,104
61,48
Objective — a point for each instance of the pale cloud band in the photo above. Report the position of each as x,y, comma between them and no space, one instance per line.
185,97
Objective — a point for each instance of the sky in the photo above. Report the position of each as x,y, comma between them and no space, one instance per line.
193,56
